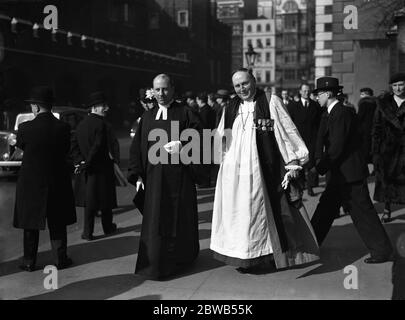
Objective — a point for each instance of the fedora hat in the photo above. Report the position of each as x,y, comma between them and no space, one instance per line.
327,83
96,98
222,93
41,95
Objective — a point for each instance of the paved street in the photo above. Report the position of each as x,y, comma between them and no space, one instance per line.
103,269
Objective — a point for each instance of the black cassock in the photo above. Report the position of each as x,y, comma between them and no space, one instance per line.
169,236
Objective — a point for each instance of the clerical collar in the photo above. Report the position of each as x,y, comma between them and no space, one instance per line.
330,107
162,112
398,100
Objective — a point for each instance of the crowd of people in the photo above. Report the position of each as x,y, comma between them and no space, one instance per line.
278,146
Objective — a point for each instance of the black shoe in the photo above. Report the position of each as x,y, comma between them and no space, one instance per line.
112,230
27,267
386,217
311,192
88,238
65,263
374,260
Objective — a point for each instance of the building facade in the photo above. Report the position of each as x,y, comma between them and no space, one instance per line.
260,34
323,38
232,13
363,55
295,42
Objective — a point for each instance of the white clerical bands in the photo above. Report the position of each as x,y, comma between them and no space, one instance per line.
162,113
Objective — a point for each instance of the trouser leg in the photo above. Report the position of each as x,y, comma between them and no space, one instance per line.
312,179
366,221
31,239
89,215
58,236
107,220
326,211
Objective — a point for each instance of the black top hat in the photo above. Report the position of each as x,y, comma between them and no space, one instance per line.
96,98
327,83
397,77
41,95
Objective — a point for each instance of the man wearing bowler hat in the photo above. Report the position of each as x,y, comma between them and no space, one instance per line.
90,152
44,192
339,154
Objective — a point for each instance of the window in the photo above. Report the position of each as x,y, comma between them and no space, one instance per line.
268,56
182,18
303,58
289,74
268,42
327,44
120,11
290,40
328,27
290,22
249,28
154,21
249,42
181,55
268,77
258,76
268,27
259,58
259,28
329,9
290,57
328,71
236,30
259,43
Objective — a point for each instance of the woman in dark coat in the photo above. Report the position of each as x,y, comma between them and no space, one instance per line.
388,146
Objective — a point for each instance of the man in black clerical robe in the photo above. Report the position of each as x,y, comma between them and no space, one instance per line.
169,236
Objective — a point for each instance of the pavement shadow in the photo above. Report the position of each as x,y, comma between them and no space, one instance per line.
344,247
93,289
136,228
205,216
207,199
204,262
83,253
204,192
124,209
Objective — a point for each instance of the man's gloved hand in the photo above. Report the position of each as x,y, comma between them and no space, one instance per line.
173,147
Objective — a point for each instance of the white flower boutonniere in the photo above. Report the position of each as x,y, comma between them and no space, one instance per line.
150,94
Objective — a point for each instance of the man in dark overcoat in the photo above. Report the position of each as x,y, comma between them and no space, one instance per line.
169,236
91,153
345,164
44,189
306,115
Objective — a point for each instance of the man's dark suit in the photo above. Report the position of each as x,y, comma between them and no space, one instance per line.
44,189
91,144
347,171
365,115
307,119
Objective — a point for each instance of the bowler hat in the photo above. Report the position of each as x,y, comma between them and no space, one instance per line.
96,98
327,83
222,93
41,95
397,77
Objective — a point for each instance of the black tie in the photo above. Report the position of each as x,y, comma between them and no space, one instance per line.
306,104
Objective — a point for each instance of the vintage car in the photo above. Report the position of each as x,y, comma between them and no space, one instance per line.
11,156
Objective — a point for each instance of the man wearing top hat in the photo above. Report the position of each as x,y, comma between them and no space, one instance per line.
44,192
339,154
91,153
